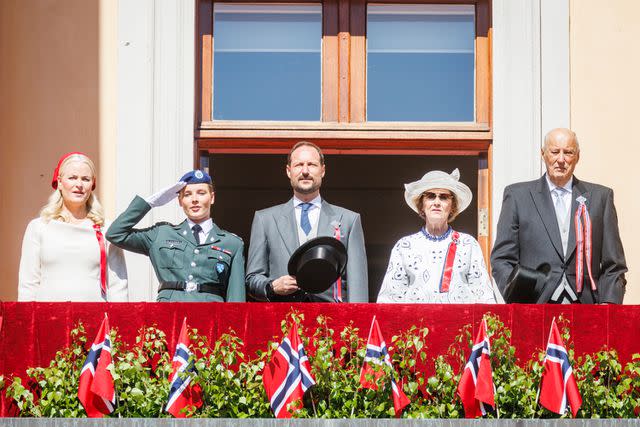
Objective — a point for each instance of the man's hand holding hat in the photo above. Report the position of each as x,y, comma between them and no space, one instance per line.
285,285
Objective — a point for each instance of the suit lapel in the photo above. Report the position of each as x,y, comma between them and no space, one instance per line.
287,227
328,216
544,205
577,190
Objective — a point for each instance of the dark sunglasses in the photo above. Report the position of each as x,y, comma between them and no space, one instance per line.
442,196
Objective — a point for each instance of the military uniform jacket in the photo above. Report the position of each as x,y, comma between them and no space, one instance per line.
176,257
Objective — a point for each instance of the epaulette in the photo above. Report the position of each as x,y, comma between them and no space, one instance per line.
155,225
235,235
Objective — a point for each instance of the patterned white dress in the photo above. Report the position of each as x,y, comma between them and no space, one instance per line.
415,270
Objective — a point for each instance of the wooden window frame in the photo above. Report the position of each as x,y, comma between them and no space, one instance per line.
343,127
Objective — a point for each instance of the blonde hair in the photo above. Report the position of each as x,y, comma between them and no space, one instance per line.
53,209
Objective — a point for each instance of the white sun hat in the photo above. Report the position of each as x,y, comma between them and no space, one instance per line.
438,179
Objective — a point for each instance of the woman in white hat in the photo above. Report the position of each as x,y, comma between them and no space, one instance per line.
65,256
437,264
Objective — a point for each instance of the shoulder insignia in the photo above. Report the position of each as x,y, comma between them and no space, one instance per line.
235,235
157,224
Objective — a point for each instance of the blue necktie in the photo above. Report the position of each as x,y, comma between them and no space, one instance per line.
304,218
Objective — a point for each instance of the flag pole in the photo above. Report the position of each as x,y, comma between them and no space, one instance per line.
355,393
535,404
313,404
495,401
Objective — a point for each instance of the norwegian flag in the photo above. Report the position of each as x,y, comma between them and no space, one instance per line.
558,383
181,394
96,390
476,384
378,354
287,375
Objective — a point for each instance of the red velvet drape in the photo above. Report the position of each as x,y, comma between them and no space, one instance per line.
31,333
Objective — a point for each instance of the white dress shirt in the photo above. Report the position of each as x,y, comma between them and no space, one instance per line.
564,293
314,216
206,228
564,221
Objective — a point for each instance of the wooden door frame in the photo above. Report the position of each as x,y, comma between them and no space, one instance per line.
343,128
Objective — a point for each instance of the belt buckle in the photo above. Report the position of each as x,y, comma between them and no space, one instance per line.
190,286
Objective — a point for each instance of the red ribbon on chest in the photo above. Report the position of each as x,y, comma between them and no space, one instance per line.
103,261
445,280
337,286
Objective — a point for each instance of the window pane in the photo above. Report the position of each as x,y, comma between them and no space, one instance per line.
420,63
266,62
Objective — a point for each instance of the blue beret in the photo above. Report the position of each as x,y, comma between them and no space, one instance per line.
196,177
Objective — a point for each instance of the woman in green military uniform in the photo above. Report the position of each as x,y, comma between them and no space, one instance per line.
194,260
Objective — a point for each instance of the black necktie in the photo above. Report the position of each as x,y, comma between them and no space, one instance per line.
196,232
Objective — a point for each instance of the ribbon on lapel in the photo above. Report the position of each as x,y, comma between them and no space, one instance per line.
337,285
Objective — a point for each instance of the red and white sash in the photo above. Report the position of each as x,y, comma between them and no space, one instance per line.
582,223
447,270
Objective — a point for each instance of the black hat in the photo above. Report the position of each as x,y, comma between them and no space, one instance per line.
318,263
526,285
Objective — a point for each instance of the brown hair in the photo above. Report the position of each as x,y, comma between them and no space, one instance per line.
454,205
211,186
305,144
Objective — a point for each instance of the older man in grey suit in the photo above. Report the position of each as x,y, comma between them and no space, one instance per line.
568,223
277,232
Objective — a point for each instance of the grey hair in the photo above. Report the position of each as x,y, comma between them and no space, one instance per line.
571,134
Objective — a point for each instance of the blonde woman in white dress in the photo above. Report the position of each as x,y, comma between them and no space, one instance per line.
65,256
437,264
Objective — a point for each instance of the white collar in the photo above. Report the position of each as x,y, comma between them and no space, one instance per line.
316,202
206,225
568,186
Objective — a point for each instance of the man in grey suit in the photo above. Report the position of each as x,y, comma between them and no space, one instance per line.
277,232
547,220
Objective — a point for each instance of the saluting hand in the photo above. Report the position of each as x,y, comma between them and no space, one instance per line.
165,195
285,285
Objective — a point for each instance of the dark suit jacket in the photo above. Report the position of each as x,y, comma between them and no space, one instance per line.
274,238
528,234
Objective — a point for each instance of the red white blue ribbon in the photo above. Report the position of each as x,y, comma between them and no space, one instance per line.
103,261
582,223
447,270
337,285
